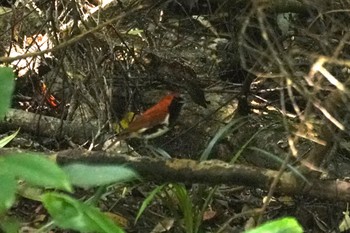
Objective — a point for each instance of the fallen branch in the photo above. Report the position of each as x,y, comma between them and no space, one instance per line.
211,172
45,126
175,170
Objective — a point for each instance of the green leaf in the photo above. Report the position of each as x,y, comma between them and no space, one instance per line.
278,159
135,31
35,169
284,225
4,141
220,134
69,213
186,206
86,176
29,191
148,200
9,225
6,89
243,147
8,186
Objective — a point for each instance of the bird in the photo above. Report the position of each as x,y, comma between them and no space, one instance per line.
155,121
176,75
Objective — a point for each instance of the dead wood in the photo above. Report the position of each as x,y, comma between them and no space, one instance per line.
174,170
51,127
211,172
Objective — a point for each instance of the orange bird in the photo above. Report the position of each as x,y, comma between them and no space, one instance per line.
156,120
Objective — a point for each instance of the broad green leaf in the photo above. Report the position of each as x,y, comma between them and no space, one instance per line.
8,186
4,141
69,213
7,84
29,191
86,176
148,200
9,225
35,169
284,225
